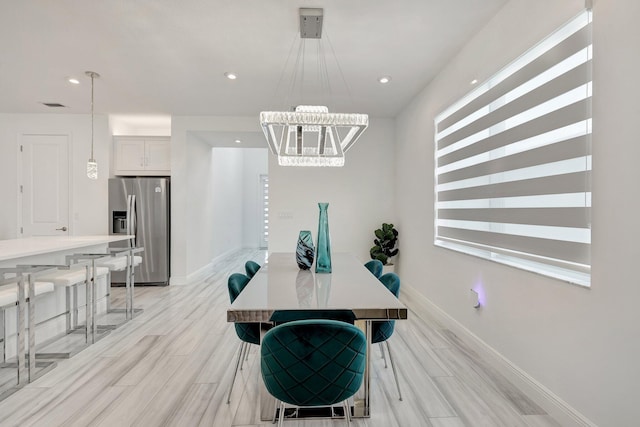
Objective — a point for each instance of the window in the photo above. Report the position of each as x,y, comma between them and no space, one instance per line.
513,161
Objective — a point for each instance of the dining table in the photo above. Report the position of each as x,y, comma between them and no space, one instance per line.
281,285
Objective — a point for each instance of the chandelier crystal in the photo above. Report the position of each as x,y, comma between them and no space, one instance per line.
310,135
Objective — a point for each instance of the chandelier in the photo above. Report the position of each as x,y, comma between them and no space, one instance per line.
310,135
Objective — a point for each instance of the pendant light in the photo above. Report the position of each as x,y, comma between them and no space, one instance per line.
310,135
92,165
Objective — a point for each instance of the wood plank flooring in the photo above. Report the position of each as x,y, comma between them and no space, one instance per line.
172,366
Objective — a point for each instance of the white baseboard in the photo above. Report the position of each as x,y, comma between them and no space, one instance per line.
560,410
225,255
199,274
202,272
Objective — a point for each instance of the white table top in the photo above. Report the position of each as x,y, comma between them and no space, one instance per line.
28,246
281,285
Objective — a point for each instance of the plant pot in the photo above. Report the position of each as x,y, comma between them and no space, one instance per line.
389,268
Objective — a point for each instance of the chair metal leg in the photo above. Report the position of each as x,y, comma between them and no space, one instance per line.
245,354
281,417
235,371
275,411
393,366
74,321
383,357
108,296
347,411
4,335
67,296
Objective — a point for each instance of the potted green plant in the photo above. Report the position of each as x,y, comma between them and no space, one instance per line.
385,244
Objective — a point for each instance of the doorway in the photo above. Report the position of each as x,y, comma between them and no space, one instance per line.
44,185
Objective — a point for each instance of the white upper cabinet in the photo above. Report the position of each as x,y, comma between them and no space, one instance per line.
142,155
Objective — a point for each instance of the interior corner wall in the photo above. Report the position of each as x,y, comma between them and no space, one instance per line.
186,168
580,344
360,195
88,199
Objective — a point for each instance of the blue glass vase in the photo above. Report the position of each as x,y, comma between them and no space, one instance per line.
304,250
323,248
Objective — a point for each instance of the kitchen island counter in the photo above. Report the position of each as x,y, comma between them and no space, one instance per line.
32,246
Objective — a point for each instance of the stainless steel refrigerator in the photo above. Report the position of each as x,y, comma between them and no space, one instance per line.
141,206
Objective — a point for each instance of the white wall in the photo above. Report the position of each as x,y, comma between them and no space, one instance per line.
256,163
581,344
228,198
360,195
199,203
88,205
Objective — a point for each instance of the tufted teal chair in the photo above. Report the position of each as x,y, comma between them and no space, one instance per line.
375,267
251,267
249,333
313,363
382,331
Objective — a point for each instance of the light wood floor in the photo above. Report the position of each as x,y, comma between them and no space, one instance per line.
172,366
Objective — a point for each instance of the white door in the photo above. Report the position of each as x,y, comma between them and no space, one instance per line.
45,185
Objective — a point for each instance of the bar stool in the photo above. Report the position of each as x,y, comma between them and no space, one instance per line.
26,290
103,264
69,276
123,260
9,299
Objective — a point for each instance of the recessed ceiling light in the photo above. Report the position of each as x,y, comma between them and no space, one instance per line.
73,80
237,141
474,81
230,76
384,79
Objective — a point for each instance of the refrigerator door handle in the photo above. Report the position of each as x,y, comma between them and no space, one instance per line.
132,227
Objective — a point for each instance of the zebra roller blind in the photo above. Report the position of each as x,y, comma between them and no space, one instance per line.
513,161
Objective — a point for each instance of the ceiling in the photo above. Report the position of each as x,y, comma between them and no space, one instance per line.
168,57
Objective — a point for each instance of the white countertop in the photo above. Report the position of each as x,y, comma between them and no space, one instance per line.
28,246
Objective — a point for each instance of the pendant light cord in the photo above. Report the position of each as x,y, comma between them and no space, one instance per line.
93,75
92,116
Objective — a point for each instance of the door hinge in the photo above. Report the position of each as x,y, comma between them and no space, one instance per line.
21,188
21,230
21,148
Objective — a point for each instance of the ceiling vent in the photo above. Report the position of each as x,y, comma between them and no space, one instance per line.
53,104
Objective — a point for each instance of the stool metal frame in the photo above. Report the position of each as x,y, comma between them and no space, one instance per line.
89,330
130,312
24,277
95,258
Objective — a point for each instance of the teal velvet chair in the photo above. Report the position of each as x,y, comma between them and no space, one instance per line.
315,362
249,333
375,267
382,331
251,267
